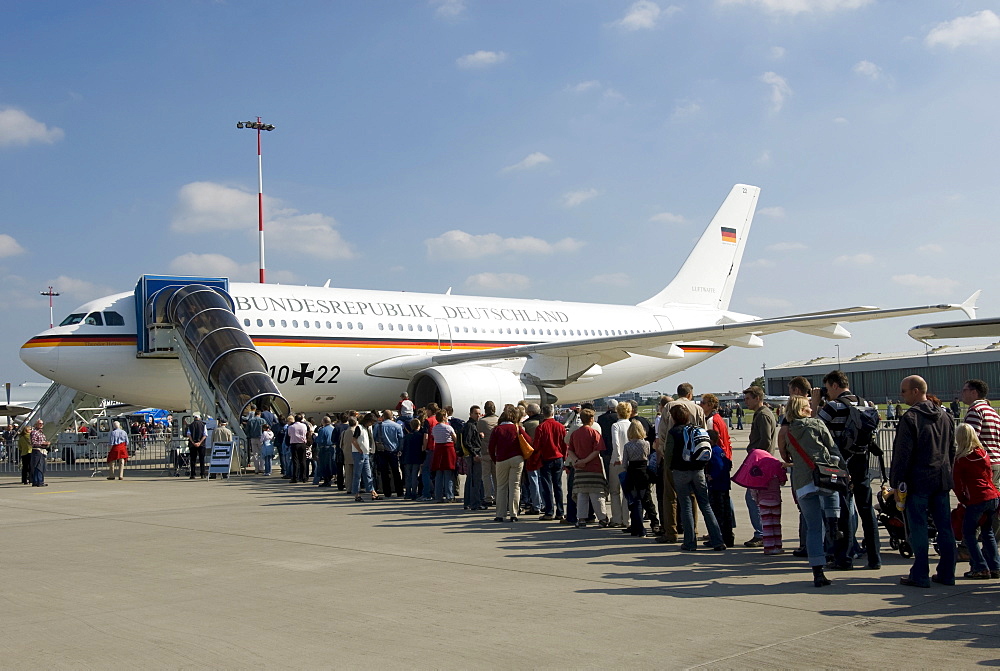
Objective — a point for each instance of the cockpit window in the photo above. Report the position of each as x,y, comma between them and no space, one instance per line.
113,319
94,319
74,318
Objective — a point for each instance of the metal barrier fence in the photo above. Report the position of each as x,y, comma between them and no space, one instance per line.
154,455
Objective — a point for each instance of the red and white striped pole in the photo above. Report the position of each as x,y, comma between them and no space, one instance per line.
259,126
50,294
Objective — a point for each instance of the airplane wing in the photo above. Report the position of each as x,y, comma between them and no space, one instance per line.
566,360
972,328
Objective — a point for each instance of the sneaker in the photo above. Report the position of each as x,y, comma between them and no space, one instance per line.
942,581
563,520
800,552
546,518
995,575
910,582
604,524
774,552
580,525
720,548
977,575
754,543
666,539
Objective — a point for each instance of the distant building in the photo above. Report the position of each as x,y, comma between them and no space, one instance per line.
877,376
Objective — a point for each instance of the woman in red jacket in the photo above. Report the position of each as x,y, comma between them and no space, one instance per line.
975,490
505,451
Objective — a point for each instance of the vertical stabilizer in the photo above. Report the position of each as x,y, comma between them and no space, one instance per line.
709,273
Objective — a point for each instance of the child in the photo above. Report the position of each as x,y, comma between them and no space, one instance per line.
719,484
763,474
412,457
266,451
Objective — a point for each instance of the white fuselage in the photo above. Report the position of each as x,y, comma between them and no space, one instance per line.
319,342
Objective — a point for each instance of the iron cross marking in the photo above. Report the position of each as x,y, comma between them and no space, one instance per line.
300,375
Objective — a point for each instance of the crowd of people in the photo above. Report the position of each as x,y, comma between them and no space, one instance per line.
619,470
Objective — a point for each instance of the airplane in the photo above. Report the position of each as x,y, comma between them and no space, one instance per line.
335,349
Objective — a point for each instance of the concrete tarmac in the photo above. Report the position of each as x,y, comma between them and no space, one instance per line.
253,572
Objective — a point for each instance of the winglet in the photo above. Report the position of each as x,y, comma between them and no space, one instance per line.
969,305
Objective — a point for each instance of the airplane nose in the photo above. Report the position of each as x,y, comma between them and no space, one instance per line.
41,354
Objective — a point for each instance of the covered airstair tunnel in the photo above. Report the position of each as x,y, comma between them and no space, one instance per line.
194,320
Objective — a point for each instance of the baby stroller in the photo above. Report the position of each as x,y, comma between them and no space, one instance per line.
893,521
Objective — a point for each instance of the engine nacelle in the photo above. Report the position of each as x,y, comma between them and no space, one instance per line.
461,387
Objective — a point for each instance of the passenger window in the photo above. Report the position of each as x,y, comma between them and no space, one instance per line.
295,323
380,326
361,327
340,325
113,319
420,327
390,326
350,325
73,319
284,324
305,324
328,326
246,322
399,326
270,322
94,319
316,324
260,322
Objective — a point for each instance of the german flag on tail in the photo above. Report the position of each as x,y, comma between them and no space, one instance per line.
729,235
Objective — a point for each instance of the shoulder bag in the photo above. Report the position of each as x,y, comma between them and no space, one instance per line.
825,477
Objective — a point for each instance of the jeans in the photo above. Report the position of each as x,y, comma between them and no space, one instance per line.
857,466
411,475
693,482
938,505
286,460
722,506
473,493
755,521
38,468
444,486
531,496
817,508
426,477
986,558
267,464
388,469
551,484
362,474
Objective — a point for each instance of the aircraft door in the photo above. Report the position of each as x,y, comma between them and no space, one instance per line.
443,334
664,323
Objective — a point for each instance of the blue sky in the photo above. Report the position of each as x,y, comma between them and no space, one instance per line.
594,139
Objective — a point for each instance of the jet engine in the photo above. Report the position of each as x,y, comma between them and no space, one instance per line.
461,387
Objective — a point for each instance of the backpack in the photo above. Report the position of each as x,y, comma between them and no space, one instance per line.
697,445
859,428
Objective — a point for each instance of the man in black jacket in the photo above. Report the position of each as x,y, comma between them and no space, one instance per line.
922,455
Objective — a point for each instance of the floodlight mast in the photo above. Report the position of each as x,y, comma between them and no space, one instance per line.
259,126
50,294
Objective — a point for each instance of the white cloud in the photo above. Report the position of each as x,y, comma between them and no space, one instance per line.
481,59
584,86
459,244
868,69
644,15
931,248
841,121
448,9
9,246
925,284
776,211
667,218
787,247
777,53
976,28
17,128
764,158
856,259
205,207
799,6
769,302
574,198
685,109
780,90
761,263
530,161
222,266
81,290
498,281
611,279
613,95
